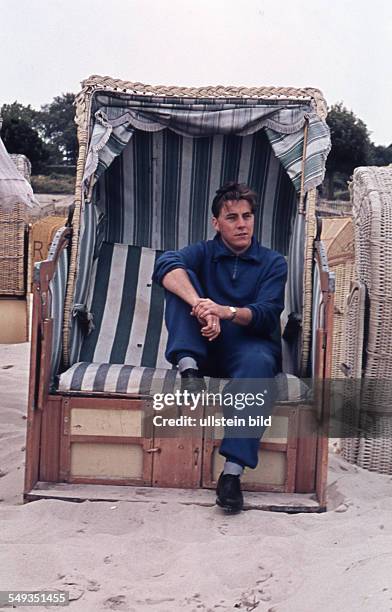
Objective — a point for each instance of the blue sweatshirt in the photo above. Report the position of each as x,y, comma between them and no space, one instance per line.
255,279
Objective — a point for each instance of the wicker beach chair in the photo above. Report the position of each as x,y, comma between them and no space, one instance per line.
367,326
16,203
150,160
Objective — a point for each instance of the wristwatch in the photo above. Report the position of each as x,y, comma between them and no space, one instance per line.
233,311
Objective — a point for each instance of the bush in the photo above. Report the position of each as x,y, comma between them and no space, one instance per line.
53,183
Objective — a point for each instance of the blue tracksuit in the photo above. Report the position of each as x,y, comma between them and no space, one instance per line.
255,279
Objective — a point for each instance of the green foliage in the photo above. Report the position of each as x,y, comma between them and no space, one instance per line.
351,146
381,156
58,127
53,183
48,136
20,136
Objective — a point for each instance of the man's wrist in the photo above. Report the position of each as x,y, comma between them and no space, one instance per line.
232,313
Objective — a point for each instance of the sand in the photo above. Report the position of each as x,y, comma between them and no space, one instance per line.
131,557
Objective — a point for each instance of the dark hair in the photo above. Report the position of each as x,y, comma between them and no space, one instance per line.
232,191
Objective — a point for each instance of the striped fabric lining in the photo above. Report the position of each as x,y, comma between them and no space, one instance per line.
289,150
128,310
158,193
57,288
293,297
106,378
115,120
87,246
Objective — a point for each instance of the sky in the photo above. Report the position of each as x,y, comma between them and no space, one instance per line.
343,47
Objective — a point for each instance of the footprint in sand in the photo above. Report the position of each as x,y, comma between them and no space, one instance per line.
223,528
93,585
265,576
262,584
155,602
117,602
77,585
196,602
248,602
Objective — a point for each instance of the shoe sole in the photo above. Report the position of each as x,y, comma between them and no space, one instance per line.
228,509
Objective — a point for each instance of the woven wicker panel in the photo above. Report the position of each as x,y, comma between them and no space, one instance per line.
372,209
344,274
338,238
310,233
12,251
375,447
353,333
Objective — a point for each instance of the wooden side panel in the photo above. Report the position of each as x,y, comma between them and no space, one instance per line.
105,460
99,422
271,470
177,462
305,481
322,447
276,469
33,438
105,440
177,457
13,321
50,440
46,356
324,339
33,434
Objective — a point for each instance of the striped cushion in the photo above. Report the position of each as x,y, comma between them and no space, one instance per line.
125,351
127,309
133,380
125,379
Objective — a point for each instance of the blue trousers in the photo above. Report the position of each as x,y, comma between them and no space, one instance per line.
249,361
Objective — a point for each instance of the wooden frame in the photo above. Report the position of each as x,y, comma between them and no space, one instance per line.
169,462
291,411
174,462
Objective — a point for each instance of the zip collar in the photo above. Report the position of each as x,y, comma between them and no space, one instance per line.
221,251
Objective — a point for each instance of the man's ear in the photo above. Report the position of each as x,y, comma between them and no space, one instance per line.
215,224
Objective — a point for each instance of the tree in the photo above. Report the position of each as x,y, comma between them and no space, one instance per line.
381,156
351,146
58,127
20,136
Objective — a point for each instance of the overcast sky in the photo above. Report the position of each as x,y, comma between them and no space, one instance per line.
343,47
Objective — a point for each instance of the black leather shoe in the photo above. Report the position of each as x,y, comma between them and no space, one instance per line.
192,381
229,494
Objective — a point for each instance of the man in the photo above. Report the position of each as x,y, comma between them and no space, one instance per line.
224,298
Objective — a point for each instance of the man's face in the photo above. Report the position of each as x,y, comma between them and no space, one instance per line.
235,224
